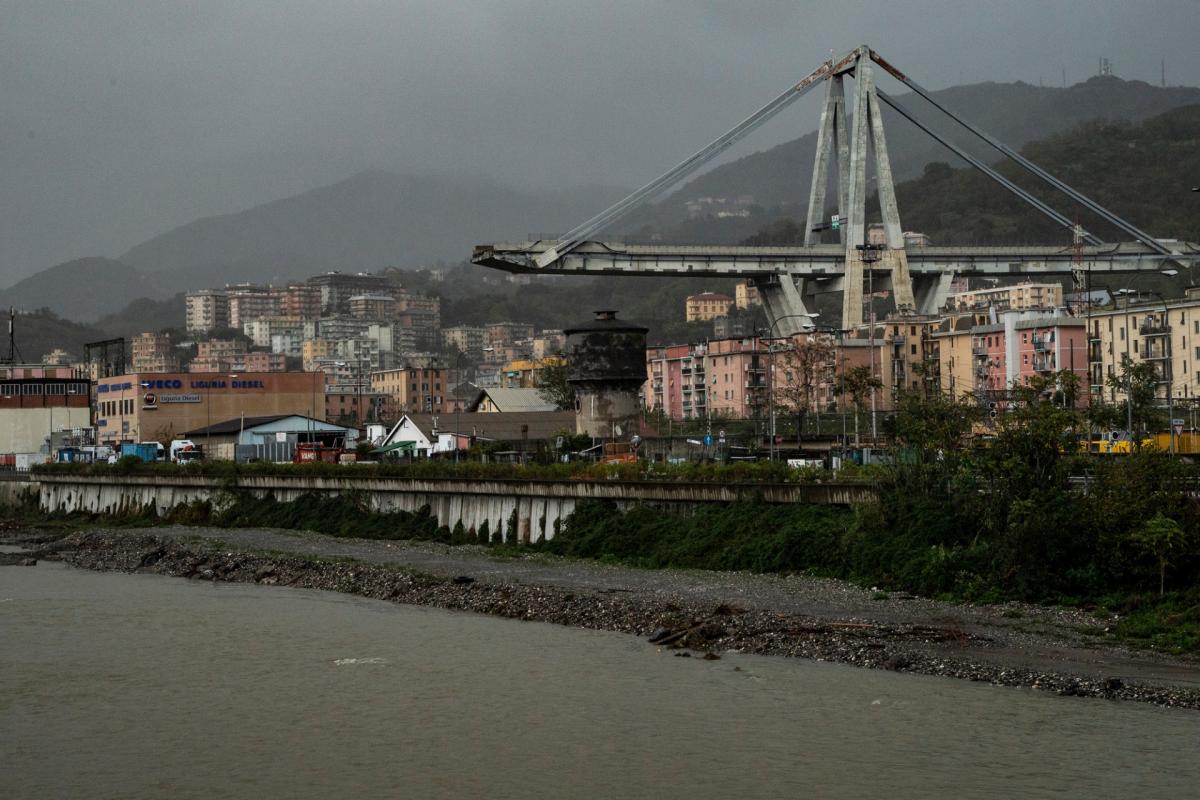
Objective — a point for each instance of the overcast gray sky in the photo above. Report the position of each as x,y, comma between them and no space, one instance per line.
122,119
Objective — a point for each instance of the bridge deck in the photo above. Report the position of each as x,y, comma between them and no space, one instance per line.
607,258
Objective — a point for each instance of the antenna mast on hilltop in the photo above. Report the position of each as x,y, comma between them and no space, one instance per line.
13,353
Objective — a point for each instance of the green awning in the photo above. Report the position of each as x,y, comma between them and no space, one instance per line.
395,447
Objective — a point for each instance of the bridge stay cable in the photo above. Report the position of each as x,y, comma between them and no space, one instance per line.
984,168
580,233
1031,167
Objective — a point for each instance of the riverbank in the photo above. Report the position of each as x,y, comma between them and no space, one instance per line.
700,614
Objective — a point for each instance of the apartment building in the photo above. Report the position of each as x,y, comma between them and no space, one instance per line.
260,362
357,405
343,327
373,306
1018,297
467,339
299,300
735,373
206,310
414,389
249,301
676,384
313,350
707,306
287,343
1164,332
261,330
153,352
506,334
546,344
220,348
337,288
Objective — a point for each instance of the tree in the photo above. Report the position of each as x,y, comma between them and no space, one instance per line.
1138,381
553,386
859,384
1160,537
808,366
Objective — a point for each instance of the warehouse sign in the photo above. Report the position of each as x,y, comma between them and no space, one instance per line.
222,384
176,383
178,398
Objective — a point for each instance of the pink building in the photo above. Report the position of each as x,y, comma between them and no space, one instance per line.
1020,346
676,380
725,377
736,371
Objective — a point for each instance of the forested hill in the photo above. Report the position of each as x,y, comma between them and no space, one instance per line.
1142,171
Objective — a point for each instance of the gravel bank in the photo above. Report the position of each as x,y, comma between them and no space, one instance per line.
700,614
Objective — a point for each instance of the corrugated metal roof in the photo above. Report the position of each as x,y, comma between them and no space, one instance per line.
513,400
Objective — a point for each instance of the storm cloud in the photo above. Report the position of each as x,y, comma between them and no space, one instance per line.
119,120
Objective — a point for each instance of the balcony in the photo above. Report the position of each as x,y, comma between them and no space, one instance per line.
979,351
1041,344
1154,354
1154,327
1043,365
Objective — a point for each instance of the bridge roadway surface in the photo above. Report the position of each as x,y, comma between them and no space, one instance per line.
1038,638
608,258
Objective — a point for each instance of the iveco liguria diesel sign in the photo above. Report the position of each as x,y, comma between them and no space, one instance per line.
178,398
223,384
175,383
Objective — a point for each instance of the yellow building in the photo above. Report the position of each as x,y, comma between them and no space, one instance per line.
746,295
1165,332
313,350
526,373
708,305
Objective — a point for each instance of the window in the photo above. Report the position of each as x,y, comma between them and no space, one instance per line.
1122,334
31,388
913,348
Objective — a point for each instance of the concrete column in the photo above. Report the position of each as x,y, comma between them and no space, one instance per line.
820,172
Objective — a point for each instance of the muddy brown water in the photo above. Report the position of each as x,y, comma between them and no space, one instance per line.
143,686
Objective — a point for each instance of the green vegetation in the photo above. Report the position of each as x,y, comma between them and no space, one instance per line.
1006,520
752,536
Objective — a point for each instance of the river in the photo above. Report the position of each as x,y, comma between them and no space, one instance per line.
129,686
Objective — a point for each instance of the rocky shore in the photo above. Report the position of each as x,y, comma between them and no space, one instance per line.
689,625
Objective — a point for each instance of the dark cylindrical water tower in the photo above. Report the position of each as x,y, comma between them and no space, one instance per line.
606,365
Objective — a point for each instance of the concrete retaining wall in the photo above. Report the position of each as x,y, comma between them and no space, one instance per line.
539,506
14,491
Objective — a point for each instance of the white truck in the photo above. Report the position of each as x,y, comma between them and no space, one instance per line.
185,450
